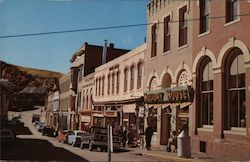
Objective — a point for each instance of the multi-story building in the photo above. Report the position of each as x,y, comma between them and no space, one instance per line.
221,78
118,93
52,107
83,63
64,96
168,64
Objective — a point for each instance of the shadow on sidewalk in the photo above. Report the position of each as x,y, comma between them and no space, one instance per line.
36,149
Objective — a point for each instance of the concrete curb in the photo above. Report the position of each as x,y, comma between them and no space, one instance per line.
169,158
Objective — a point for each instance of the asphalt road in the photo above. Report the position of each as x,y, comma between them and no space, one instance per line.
38,147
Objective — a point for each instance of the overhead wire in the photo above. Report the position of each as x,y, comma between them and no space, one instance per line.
104,28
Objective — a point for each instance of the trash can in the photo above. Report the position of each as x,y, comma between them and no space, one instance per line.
183,145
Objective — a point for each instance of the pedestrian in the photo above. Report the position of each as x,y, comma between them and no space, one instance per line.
149,133
124,137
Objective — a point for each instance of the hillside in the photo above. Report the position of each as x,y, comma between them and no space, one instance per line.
21,77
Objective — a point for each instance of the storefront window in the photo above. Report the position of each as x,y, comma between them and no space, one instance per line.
235,112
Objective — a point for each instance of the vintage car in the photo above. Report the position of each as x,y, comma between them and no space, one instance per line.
49,131
74,138
63,136
97,137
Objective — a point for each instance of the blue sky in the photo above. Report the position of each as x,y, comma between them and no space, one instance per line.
53,52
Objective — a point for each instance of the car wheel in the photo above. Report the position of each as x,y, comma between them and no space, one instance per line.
90,146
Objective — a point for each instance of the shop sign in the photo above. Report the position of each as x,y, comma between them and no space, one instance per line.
169,95
110,113
85,119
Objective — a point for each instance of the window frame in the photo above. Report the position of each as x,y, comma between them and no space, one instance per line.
183,27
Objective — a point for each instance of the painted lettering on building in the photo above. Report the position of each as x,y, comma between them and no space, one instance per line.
154,98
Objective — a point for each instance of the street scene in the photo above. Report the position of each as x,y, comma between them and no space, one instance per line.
121,80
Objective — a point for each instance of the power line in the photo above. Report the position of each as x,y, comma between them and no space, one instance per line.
104,28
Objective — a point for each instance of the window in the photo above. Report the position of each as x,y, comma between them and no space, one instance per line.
183,26
99,91
125,80
154,40
79,99
90,100
153,84
139,78
102,85
166,81
118,82
83,99
108,84
206,93
232,10
80,73
113,83
235,108
204,15
166,40
132,77
96,87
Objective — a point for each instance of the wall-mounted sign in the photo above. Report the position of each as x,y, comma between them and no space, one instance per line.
110,113
170,95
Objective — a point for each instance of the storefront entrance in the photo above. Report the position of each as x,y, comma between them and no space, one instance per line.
165,126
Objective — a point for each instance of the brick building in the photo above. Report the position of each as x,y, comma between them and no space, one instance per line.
221,77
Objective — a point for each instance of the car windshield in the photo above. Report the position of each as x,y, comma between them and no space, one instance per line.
79,133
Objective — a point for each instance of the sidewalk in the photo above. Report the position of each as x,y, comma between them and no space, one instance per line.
172,156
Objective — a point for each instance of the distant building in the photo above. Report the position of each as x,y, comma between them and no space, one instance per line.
83,63
64,107
118,93
52,107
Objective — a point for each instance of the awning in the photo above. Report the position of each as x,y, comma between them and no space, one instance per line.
185,104
173,105
165,105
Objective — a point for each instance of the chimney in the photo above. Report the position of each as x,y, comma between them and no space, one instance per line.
104,52
111,45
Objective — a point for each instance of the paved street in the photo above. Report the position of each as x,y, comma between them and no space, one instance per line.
38,147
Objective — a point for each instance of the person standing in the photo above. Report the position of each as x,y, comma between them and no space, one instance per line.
124,137
149,133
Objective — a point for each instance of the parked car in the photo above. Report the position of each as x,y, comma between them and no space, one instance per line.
74,139
7,136
63,136
97,137
40,127
49,131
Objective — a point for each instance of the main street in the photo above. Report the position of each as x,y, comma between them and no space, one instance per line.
38,147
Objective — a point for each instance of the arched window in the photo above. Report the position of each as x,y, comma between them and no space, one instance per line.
96,87
206,92
235,108
117,81
103,78
139,77
125,79
99,91
90,99
132,77
113,83
153,84
108,84
183,79
166,81
83,99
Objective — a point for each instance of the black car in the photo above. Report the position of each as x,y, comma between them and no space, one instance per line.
49,131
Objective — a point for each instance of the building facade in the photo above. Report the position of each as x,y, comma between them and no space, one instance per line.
168,63
64,106
118,93
52,107
83,63
221,77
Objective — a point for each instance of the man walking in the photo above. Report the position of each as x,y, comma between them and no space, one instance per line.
149,133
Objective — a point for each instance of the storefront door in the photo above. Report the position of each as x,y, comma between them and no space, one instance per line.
165,126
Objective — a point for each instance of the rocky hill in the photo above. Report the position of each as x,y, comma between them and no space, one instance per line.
21,77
